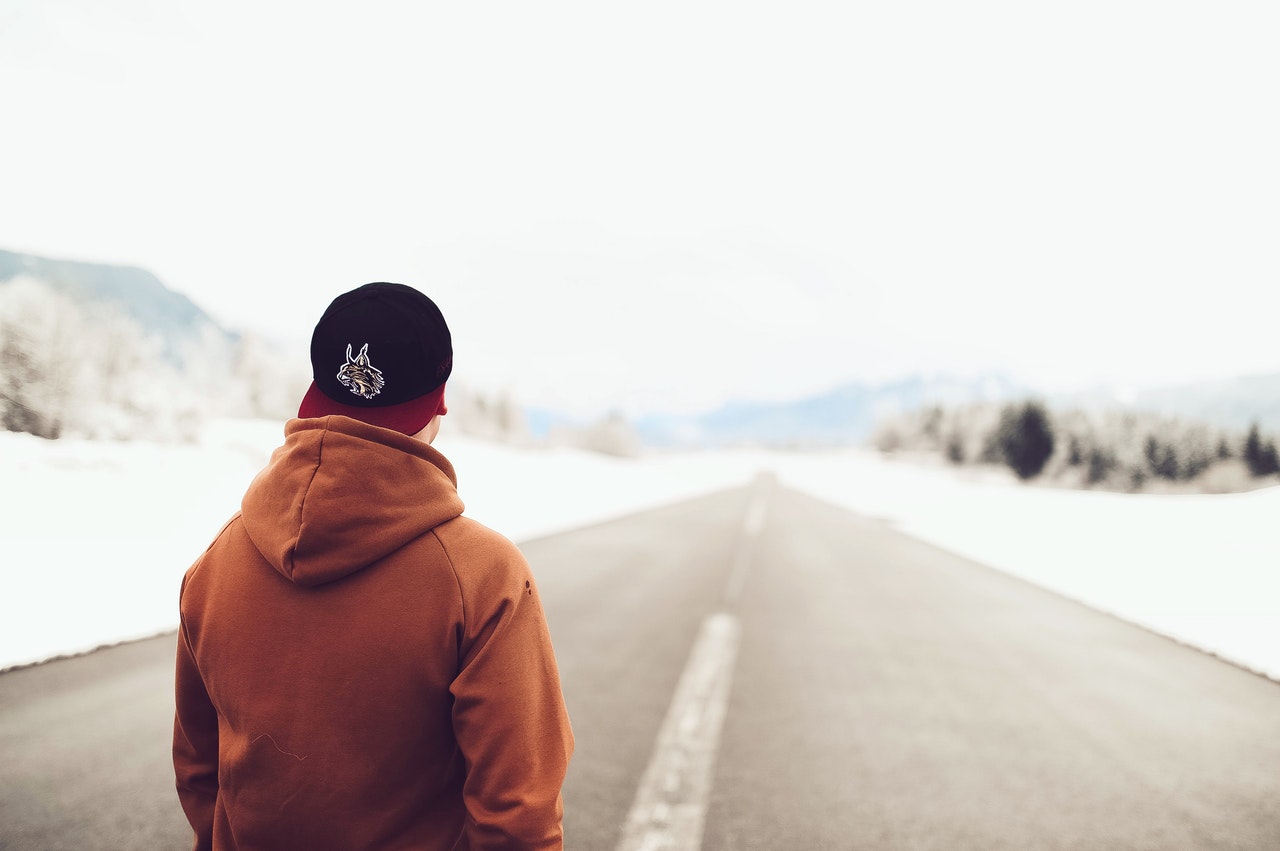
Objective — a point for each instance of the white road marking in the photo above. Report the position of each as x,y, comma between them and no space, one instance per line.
752,523
670,808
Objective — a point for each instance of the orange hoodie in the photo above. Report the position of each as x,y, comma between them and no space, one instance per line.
361,667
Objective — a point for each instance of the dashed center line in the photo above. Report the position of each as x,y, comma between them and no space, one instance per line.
671,804
670,808
752,523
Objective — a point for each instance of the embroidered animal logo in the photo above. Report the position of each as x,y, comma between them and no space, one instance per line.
359,376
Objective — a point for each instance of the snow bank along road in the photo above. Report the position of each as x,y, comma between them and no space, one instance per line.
756,669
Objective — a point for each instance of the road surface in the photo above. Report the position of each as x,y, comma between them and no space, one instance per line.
756,669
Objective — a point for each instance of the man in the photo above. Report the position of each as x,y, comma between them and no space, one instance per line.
359,666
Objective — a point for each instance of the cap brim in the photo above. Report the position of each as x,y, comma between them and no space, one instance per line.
408,417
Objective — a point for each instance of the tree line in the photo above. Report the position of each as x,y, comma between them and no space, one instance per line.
1112,450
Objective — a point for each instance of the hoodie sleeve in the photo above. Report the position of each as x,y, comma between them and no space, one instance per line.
195,744
508,715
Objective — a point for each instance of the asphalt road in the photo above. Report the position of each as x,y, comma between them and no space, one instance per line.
871,692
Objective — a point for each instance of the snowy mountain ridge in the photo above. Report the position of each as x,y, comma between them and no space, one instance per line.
136,292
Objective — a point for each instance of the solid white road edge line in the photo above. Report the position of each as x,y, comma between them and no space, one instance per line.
670,808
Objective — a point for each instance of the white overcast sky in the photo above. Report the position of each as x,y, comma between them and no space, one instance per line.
670,204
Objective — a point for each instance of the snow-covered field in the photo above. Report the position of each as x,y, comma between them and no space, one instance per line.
94,536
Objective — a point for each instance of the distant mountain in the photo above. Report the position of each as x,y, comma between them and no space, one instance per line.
136,292
843,416
848,414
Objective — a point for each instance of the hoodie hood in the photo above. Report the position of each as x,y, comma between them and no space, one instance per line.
341,494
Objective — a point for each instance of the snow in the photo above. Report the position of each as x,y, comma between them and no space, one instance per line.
95,536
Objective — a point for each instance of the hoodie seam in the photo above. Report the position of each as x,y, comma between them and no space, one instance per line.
462,598
302,506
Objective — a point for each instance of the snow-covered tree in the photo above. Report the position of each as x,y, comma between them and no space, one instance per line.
43,354
69,369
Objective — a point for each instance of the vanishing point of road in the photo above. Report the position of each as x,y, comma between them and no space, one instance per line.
756,669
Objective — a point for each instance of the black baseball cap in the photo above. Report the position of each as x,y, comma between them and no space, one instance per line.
380,353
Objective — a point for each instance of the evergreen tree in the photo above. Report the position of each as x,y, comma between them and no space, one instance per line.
1162,458
1101,463
1075,451
1025,437
1270,460
1260,455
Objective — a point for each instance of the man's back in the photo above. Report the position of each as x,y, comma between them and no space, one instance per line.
361,667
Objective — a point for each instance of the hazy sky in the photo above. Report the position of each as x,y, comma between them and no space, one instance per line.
671,204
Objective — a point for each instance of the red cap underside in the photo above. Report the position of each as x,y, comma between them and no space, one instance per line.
408,417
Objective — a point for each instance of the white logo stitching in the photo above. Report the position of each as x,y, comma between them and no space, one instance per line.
359,376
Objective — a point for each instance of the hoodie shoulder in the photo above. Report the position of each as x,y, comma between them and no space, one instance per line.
471,547
489,568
